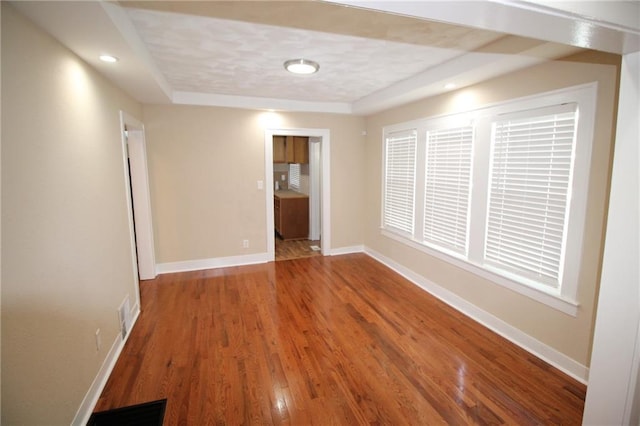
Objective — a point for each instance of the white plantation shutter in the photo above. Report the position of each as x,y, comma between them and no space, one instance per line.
529,189
399,182
294,176
447,187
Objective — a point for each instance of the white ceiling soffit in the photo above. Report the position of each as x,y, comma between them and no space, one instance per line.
231,53
465,70
88,29
606,25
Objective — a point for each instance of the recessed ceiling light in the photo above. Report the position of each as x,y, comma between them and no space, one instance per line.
301,66
450,86
108,58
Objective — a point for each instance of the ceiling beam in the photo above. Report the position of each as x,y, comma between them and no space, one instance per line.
609,26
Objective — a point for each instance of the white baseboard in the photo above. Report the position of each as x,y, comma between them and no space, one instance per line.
223,262
509,332
216,262
91,398
346,250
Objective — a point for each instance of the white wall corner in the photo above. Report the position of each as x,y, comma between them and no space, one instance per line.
614,390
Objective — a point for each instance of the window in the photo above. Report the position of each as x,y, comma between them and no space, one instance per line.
294,176
447,187
531,162
400,170
500,191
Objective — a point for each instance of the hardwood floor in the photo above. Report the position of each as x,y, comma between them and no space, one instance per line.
327,341
295,249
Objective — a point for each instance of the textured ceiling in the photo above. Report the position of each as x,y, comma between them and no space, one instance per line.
211,55
231,53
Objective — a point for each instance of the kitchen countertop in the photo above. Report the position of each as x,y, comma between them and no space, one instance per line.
287,193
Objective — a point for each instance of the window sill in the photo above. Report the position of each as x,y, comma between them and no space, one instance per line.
548,298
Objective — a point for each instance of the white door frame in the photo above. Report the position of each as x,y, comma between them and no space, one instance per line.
138,198
325,172
315,186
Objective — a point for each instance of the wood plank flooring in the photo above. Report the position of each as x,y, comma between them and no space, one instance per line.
295,249
337,340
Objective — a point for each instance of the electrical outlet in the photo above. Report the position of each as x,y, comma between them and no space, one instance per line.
98,341
260,184
245,243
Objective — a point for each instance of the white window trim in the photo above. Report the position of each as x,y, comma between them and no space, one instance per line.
564,298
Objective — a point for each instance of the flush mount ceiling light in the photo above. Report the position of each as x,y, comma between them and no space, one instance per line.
301,66
108,58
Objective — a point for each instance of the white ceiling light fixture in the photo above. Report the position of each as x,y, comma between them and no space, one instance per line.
108,58
301,66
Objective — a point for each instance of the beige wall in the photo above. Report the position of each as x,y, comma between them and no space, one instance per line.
66,260
66,254
568,335
204,164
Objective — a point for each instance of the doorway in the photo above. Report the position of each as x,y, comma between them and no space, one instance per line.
316,180
138,198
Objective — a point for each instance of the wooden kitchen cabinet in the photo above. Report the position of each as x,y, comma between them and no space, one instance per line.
300,149
291,216
290,149
280,149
